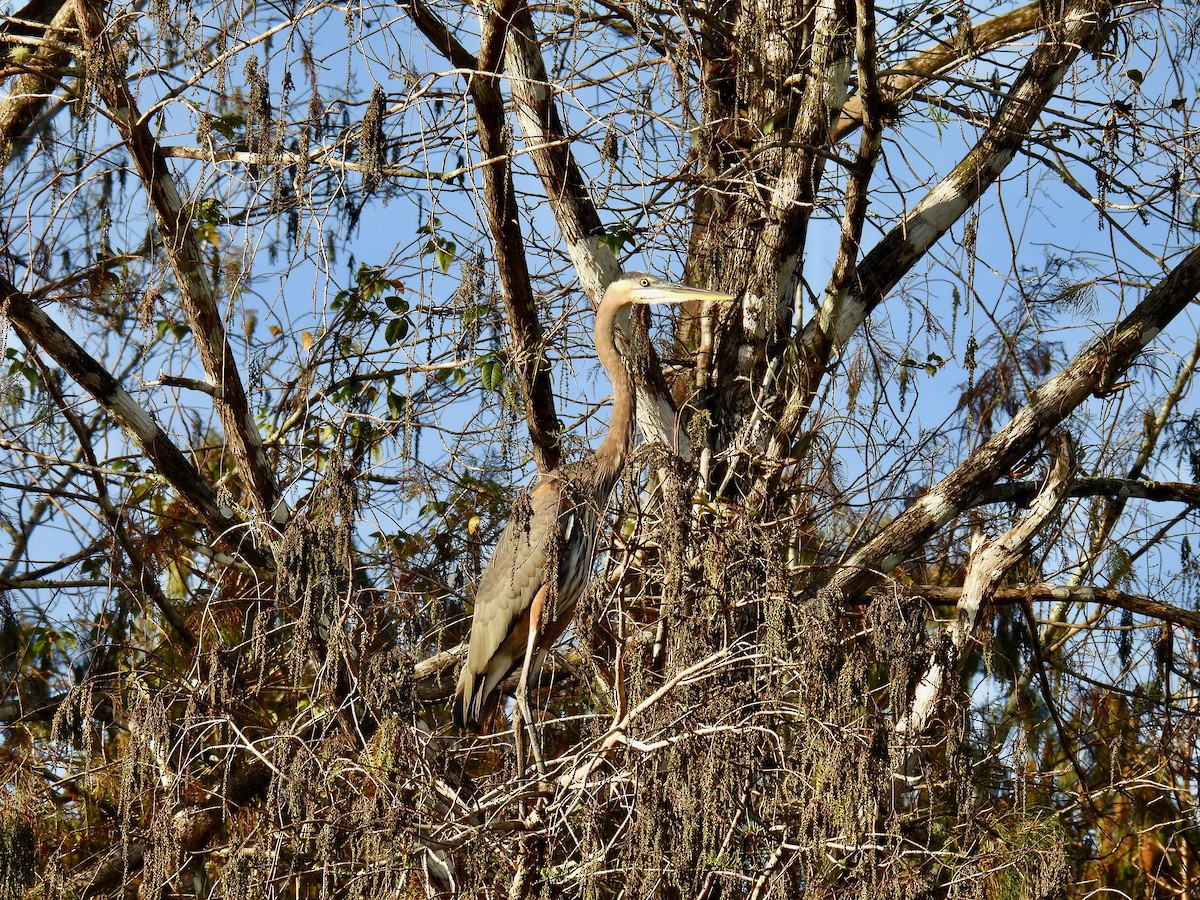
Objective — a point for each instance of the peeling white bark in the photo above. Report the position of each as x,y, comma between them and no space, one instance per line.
1093,368
657,421
949,200
577,218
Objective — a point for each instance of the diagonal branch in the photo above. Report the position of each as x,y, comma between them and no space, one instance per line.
846,306
38,329
858,181
31,89
542,128
527,338
844,310
1153,430
438,34
989,564
191,275
1093,372
902,81
145,577
571,202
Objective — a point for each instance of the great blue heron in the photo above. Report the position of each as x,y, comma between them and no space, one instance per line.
543,559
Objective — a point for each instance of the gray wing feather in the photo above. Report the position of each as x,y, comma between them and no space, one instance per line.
510,580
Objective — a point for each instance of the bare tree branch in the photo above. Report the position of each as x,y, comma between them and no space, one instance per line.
191,275
542,127
1154,427
570,199
1094,370
527,338
844,311
37,329
1071,593
31,89
1120,489
902,81
989,564
145,579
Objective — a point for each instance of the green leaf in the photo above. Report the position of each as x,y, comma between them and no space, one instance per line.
473,314
617,236
397,330
208,209
397,405
228,125
371,281
493,374
396,304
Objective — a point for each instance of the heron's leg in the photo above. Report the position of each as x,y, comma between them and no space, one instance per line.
527,666
525,713
519,745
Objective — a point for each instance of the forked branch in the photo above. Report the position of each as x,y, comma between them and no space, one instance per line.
988,566
38,329
902,81
527,338
562,178
844,311
1093,371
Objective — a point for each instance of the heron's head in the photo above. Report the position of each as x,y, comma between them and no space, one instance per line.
641,289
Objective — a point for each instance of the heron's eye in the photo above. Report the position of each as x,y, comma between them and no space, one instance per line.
645,282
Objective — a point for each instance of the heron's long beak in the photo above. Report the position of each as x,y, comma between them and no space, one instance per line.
681,293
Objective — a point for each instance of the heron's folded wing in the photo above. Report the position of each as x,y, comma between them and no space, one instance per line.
514,574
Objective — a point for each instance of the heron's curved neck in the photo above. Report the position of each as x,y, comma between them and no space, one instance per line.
610,455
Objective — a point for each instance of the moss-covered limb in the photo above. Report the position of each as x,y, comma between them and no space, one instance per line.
42,69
